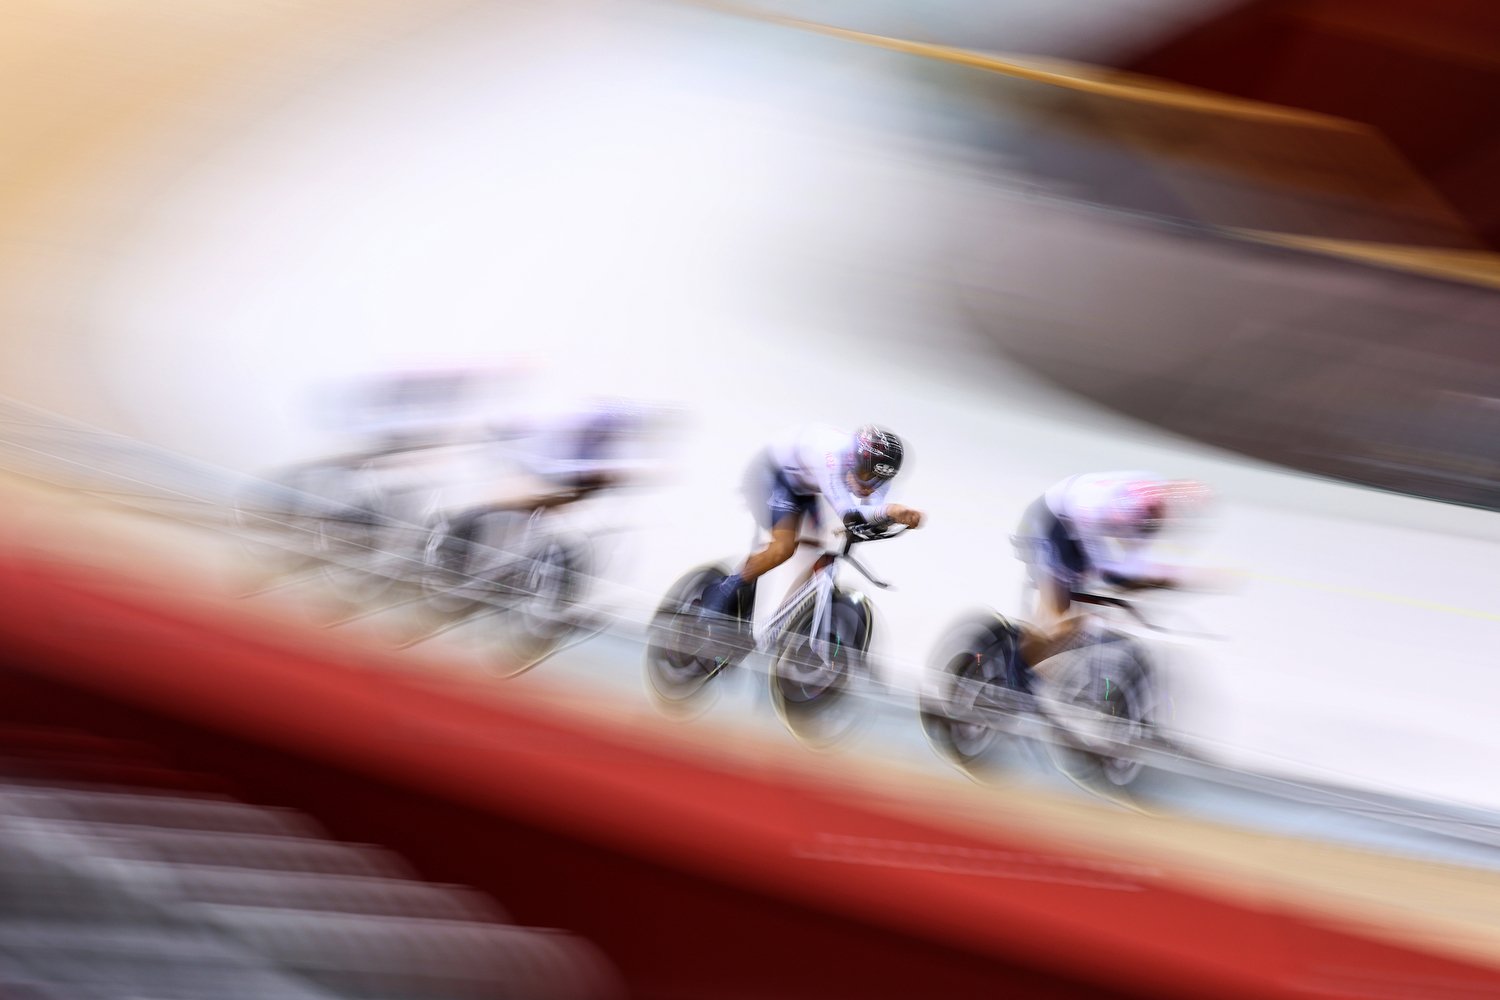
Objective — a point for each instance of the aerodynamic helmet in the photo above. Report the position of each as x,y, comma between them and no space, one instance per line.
876,455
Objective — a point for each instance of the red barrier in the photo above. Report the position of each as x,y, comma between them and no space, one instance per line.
696,878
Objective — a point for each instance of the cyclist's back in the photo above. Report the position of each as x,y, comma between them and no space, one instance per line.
1090,529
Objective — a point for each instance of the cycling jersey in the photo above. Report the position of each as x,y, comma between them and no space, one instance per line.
1078,528
577,448
802,465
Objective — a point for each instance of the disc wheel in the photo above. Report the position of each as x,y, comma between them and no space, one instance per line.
976,671
683,651
1101,703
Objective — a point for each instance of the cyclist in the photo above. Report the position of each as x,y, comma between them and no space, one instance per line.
1090,529
602,443
565,455
851,473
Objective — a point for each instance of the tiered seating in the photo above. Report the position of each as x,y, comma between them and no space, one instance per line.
109,891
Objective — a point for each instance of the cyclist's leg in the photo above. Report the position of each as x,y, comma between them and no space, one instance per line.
777,508
781,510
1055,562
720,598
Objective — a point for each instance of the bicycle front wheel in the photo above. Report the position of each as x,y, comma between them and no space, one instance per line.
1101,702
812,676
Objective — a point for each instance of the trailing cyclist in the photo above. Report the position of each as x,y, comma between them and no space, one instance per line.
1090,529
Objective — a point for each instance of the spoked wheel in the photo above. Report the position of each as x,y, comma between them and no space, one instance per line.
1101,703
369,536
960,740
351,542
683,651
277,518
469,562
977,675
812,676
445,580
552,580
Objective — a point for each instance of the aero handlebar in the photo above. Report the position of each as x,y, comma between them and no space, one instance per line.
1134,612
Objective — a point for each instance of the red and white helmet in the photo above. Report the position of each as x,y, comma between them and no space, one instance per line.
1143,507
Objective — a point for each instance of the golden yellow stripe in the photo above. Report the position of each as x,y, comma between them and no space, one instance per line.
1373,595
1478,267
1070,76
1474,267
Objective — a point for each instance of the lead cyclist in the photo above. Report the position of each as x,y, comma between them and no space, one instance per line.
786,482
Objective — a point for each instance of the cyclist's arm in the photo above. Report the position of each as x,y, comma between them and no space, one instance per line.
909,516
1139,582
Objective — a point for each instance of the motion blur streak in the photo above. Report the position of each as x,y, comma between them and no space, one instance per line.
693,223
452,327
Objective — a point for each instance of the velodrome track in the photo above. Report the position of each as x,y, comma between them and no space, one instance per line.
136,323
1315,893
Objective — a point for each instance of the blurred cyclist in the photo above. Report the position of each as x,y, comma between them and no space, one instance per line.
570,453
1091,529
592,446
852,473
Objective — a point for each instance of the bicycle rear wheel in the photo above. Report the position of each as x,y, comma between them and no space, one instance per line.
552,581
683,650
978,672
277,518
354,542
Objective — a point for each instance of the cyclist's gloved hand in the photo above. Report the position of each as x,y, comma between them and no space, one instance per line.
857,525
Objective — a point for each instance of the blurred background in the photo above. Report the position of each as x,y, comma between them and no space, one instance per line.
418,348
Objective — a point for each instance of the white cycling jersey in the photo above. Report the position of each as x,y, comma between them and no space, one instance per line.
816,460
1094,508
565,447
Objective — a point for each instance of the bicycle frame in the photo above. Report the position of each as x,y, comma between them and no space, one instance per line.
1140,619
511,559
819,587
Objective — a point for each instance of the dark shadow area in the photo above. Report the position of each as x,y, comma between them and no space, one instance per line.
1356,372
1425,74
1195,158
